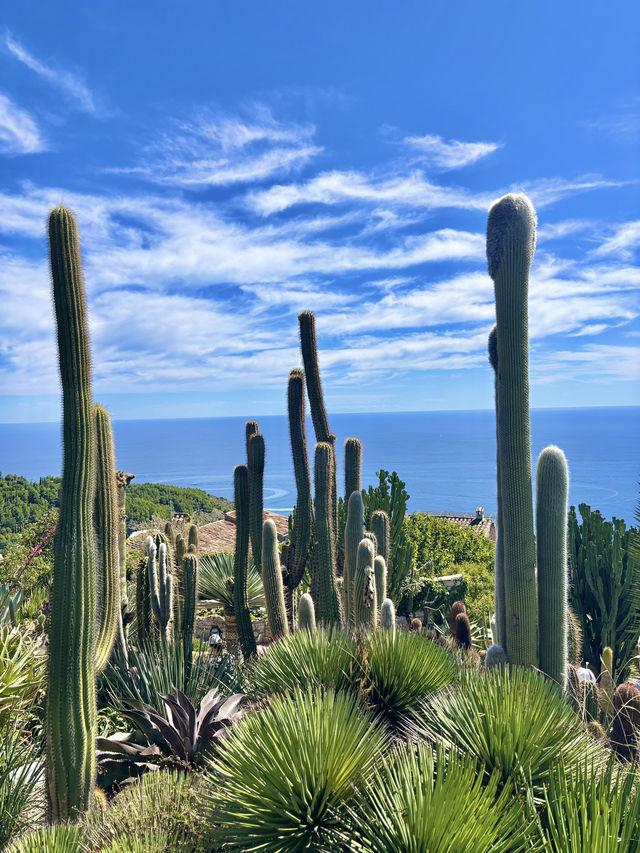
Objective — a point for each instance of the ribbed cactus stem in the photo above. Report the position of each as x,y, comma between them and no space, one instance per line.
306,613
251,428
352,466
255,464
143,603
499,603
241,562
193,541
353,533
328,605
71,695
510,245
300,539
181,550
106,523
272,581
122,481
170,534
160,586
380,525
380,571
606,682
364,587
388,615
552,497
190,576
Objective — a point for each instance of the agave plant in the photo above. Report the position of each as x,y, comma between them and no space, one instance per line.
586,810
22,672
418,801
514,721
21,770
400,670
183,737
322,658
315,749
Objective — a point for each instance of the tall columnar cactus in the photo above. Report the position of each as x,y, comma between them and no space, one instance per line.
255,464
388,615
309,347
190,575
364,587
381,525
143,603
306,613
380,571
499,602
194,540
353,533
552,494
122,481
606,682
300,538
160,587
272,581
510,246
328,605
241,562
106,533
71,695
251,428
352,466
181,550
170,535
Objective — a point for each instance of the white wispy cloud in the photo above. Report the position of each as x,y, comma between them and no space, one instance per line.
546,191
450,155
223,150
594,361
71,85
19,133
623,243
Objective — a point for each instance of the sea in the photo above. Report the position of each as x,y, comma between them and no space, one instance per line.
446,459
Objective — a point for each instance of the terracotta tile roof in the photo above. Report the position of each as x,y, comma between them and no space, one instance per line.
221,535
479,522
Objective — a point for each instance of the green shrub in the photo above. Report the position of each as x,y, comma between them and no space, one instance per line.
479,596
418,802
314,750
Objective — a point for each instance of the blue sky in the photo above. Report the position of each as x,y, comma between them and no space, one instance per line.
232,164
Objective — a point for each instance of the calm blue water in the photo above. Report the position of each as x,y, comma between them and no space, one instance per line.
447,459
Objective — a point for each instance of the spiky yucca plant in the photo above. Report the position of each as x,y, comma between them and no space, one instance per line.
324,658
316,748
420,802
513,720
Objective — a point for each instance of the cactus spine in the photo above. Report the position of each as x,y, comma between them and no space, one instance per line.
190,577
380,571
388,615
160,586
241,562
353,533
306,613
352,466
499,602
328,603
300,538
106,533
364,587
71,696
272,581
552,494
510,246
255,464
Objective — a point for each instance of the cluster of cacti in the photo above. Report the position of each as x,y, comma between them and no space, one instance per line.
160,586
459,624
531,620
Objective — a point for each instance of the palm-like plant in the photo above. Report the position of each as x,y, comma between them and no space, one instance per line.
514,721
321,658
216,583
400,670
590,811
417,801
314,750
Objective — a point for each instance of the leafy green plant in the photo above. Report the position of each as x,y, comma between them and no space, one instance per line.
514,721
321,658
21,770
22,672
215,572
585,810
315,749
401,669
60,838
420,802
